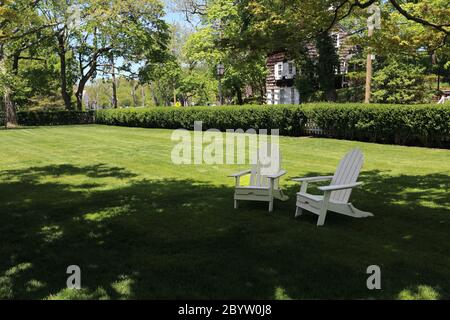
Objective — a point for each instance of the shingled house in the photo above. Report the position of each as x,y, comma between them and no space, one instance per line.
280,86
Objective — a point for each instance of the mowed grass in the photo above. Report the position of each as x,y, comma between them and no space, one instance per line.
109,200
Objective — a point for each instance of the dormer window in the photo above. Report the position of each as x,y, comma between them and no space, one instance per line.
290,70
279,71
336,39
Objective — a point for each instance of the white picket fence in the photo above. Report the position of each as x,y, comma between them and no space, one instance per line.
313,129
444,99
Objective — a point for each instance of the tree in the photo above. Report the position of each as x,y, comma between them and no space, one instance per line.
215,42
402,37
18,19
327,65
94,33
191,9
64,17
131,29
400,82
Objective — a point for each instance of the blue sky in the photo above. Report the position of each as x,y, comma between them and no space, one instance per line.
171,16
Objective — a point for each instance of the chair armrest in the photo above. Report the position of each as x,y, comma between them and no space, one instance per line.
278,175
340,187
240,174
312,179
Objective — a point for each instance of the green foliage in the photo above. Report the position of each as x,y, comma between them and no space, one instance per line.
400,82
130,93
427,125
44,118
288,119
197,87
327,64
306,80
214,42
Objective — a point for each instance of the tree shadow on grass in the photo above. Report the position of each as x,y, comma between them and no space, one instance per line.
3,128
136,238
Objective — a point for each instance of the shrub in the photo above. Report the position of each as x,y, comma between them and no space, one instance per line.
45,118
400,82
289,119
426,125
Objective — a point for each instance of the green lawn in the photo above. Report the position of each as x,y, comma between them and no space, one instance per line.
109,200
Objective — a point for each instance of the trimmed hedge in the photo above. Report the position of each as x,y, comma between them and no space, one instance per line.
425,125
46,118
288,119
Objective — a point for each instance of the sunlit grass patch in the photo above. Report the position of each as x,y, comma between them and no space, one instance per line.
109,200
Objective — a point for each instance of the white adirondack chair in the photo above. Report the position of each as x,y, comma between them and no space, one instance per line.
264,179
336,196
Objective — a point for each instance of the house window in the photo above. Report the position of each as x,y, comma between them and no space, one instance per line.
280,70
345,67
282,94
292,95
291,68
336,39
276,96
272,96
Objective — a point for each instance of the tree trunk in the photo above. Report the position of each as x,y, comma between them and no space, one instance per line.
369,71
239,95
15,65
85,77
174,94
63,72
79,93
439,80
143,95
114,84
10,110
133,93
331,95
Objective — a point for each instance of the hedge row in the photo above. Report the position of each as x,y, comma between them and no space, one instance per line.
424,125
288,119
45,118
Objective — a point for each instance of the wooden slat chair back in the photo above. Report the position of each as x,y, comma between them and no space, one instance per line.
347,173
267,163
336,196
265,174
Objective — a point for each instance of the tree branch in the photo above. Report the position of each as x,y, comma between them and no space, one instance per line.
403,12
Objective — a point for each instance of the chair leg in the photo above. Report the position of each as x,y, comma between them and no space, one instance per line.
271,205
324,209
235,204
322,216
298,212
